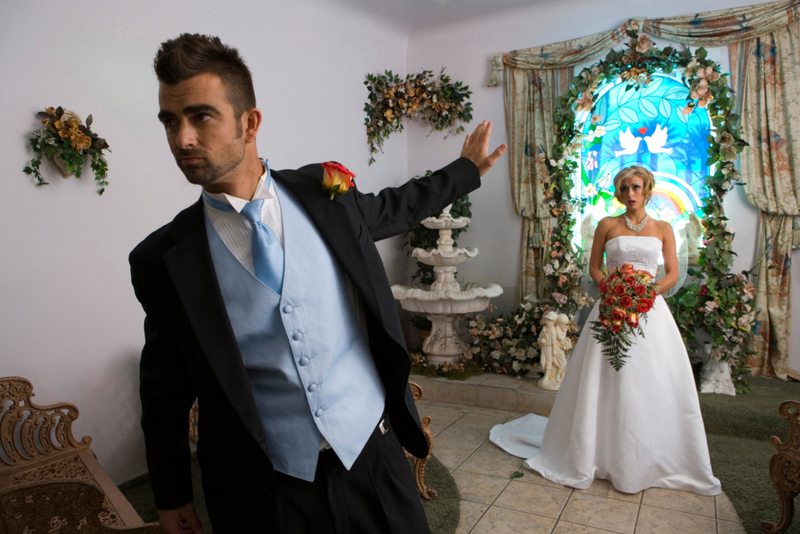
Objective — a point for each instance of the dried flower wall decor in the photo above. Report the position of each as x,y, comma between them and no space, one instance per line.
67,142
441,103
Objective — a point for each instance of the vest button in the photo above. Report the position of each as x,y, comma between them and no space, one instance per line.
303,362
288,308
297,336
318,413
312,388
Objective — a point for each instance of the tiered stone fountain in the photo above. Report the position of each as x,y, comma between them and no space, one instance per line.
445,299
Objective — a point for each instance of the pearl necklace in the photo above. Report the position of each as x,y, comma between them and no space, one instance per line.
635,227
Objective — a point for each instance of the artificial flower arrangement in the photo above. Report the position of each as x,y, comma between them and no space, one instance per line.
66,141
627,296
441,103
722,306
508,344
336,179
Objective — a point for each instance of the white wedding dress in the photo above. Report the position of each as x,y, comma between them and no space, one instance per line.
640,427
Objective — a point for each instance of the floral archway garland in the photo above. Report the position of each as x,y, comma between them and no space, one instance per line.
719,302
442,103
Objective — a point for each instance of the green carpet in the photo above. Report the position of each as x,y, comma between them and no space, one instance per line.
738,430
442,512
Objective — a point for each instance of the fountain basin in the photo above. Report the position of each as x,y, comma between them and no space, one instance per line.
445,222
441,258
469,298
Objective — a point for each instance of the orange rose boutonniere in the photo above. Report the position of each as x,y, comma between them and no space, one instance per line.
336,179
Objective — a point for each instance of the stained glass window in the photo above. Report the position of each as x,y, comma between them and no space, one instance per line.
647,128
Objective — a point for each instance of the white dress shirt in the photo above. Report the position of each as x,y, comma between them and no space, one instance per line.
234,229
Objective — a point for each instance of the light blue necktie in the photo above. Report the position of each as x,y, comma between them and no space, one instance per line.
267,250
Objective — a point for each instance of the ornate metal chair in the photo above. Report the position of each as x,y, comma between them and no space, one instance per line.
419,463
49,477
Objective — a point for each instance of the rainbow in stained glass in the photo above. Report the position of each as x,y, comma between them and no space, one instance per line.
648,128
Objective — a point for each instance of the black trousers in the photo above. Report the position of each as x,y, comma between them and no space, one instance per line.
377,495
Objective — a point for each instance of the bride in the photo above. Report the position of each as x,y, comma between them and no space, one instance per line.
639,427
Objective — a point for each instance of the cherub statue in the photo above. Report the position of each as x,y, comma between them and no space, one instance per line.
554,344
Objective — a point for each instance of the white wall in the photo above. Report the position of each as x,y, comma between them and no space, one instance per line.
465,49
69,321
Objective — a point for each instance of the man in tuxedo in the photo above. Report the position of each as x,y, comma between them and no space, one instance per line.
267,301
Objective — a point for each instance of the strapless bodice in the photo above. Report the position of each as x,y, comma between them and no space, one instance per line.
641,251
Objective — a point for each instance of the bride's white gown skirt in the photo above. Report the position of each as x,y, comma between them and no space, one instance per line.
640,427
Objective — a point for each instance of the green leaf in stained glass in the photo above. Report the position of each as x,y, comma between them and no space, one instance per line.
628,115
647,108
676,91
623,95
653,87
665,108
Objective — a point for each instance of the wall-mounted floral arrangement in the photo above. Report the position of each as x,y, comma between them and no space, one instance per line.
441,103
67,142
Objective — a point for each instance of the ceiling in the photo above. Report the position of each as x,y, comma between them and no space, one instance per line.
411,15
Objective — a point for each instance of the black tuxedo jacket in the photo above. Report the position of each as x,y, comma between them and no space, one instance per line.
190,350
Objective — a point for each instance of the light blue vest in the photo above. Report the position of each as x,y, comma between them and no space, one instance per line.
306,356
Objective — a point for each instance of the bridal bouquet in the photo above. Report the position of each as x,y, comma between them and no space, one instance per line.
628,295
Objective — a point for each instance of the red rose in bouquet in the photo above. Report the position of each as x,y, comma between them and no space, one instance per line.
644,305
624,304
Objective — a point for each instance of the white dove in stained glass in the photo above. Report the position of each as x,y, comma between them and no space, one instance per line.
629,142
656,142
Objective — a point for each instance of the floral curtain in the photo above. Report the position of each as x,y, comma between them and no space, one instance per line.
759,32
530,99
767,79
717,28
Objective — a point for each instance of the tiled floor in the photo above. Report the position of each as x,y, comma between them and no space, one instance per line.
494,502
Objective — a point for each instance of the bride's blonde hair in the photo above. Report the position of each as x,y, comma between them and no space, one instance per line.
629,172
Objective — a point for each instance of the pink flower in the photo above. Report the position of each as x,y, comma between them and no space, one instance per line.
699,89
560,298
643,43
585,102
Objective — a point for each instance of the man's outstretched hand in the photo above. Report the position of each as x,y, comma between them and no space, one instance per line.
181,520
476,148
